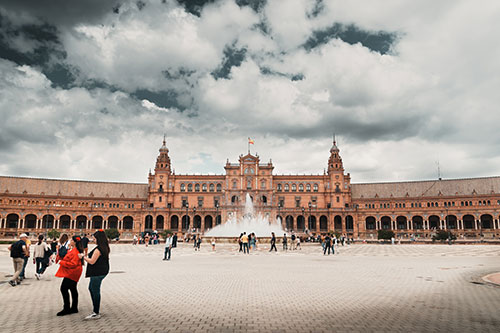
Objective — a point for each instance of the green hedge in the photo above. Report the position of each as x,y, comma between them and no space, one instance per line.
385,234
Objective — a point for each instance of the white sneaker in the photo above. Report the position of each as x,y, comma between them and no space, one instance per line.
37,276
93,315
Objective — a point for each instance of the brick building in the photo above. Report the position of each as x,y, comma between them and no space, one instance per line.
305,203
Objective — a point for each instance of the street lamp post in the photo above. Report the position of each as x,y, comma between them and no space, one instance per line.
187,216
216,212
310,218
194,214
303,210
279,213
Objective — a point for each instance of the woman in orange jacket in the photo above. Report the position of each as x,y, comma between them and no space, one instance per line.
70,269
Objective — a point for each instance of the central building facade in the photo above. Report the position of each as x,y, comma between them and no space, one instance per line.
309,204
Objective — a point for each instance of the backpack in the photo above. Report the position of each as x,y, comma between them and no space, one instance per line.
46,255
62,251
17,249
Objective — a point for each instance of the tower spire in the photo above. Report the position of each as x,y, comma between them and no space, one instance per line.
164,139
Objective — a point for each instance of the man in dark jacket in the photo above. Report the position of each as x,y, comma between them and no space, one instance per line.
18,251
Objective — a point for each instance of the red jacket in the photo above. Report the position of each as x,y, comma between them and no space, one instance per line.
70,266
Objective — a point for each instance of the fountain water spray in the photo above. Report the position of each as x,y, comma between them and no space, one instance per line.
249,222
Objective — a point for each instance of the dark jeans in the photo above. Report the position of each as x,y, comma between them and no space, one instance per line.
326,247
245,248
241,246
41,265
24,267
95,291
66,286
168,251
273,246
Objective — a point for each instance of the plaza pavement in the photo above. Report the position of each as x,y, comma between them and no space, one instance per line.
363,288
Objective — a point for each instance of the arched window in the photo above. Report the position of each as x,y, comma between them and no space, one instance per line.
235,184
278,188
234,199
262,184
301,187
211,187
315,187
264,199
197,187
287,187
204,187
219,187
308,187
183,187
190,187
294,187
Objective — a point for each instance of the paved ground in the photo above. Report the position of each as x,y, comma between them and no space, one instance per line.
362,288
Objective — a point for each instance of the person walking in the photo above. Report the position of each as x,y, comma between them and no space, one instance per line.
18,251
293,246
97,270
298,244
244,241
198,242
174,240
273,243
240,243
252,241
134,242
332,242
70,269
26,257
285,243
213,243
41,256
168,247
326,244
62,247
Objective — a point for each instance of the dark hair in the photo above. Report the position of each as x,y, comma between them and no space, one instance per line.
102,242
40,239
78,245
63,239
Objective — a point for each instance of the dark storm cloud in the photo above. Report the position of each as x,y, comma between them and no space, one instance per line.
319,6
379,41
233,57
268,71
63,12
256,5
195,6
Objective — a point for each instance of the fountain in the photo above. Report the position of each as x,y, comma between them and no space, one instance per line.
250,222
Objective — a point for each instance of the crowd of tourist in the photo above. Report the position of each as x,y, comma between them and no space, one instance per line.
70,254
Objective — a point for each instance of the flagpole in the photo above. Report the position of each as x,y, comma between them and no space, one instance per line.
249,147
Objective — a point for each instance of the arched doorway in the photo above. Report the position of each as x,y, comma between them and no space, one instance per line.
349,223
81,222
174,222
12,221
311,223
148,223
197,222
65,222
401,222
300,223
468,221
386,223
434,222
418,222
451,222
208,222
113,222
289,222
337,223
160,221
128,223
185,222
218,220
370,223
486,221
323,223
30,221
48,221
97,222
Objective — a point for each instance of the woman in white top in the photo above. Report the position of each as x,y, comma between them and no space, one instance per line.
41,256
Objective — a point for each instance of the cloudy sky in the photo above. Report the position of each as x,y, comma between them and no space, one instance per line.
87,88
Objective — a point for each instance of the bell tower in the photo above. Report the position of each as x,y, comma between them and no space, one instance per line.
163,160
340,183
159,181
335,165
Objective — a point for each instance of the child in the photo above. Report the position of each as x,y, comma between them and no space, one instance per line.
213,243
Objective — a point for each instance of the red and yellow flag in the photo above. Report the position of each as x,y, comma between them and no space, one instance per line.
250,141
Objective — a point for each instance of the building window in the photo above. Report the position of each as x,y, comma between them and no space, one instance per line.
183,187
263,184
294,187
297,202
190,187
184,202
234,184
211,187
197,188
287,187
315,187
308,187
159,199
301,187
200,201
278,188
204,187
219,187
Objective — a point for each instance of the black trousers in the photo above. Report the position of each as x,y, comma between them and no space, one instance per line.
327,247
273,245
41,265
67,286
168,251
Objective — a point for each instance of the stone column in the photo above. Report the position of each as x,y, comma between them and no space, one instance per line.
57,224
105,224
22,223
476,224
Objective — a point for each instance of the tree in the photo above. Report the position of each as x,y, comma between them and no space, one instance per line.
443,235
112,233
53,234
164,233
385,234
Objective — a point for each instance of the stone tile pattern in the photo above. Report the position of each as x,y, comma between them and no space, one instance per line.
363,288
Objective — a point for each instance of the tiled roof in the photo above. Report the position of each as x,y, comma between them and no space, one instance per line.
37,186
428,188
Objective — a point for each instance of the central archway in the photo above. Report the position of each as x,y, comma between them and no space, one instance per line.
311,223
349,223
337,223
323,223
418,222
300,223
386,223
174,222
370,223
289,222
185,222
197,222
65,222
30,221
160,222
401,222
208,222
468,221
